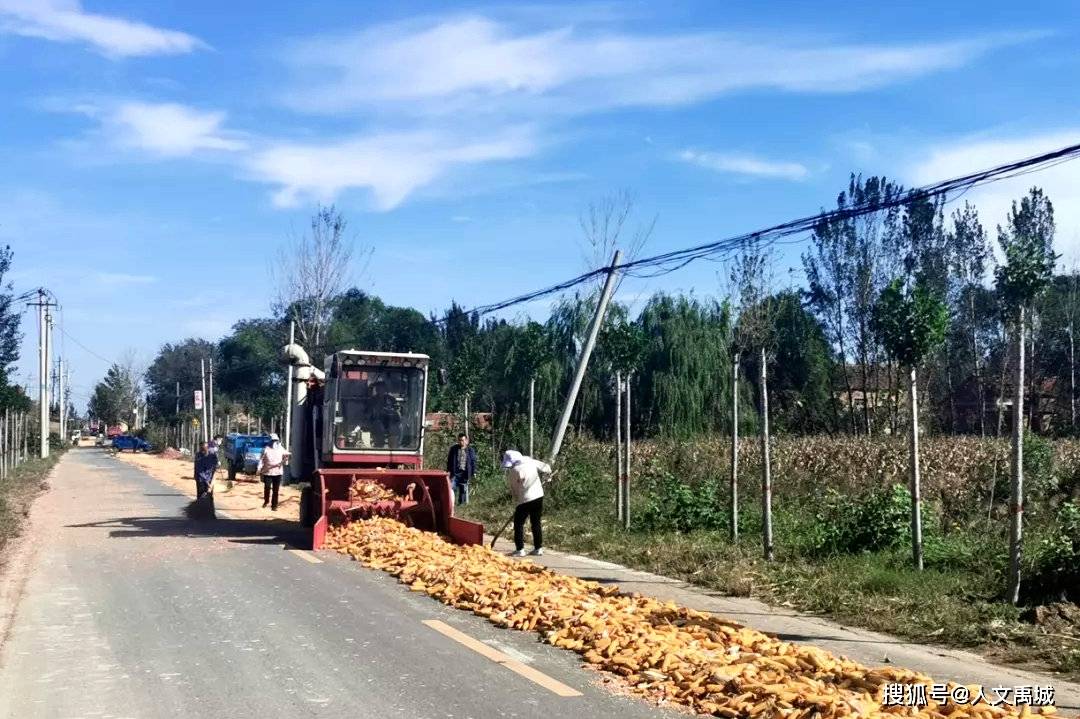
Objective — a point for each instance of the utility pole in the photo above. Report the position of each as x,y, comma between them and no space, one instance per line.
289,394
532,413
43,305
202,376
210,428
60,397
583,361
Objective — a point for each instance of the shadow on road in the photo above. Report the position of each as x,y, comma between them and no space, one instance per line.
240,531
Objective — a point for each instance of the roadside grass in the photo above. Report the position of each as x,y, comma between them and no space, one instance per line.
18,491
956,601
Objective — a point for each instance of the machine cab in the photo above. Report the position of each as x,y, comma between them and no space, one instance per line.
373,408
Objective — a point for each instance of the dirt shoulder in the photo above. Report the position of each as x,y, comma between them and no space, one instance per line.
26,483
242,500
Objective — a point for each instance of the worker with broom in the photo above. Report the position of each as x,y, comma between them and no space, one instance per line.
206,463
523,479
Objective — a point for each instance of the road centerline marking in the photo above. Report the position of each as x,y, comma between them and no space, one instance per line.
532,674
305,555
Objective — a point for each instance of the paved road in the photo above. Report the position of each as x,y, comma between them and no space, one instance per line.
131,610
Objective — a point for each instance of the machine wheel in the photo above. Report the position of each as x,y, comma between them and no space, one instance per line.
306,508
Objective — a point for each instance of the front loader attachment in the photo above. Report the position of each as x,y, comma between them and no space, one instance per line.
416,497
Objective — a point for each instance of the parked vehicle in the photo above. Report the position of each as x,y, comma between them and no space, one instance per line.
129,442
240,452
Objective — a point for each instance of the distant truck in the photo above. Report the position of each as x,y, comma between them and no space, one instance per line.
128,442
241,452
114,431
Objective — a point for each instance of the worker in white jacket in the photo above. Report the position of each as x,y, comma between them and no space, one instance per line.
523,479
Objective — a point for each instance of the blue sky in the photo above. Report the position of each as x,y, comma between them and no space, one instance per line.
156,155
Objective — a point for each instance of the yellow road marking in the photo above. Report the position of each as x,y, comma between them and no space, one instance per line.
533,675
306,555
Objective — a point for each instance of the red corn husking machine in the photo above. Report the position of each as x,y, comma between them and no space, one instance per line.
357,444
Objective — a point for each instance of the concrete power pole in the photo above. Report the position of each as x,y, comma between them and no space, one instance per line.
210,429
288,396
583,361
202,374
43,400
60,398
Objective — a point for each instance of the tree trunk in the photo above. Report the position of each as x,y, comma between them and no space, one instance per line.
978,371
1033,394
1001,386
618,447
865,394
913,471
766,475
734,496
952,395
626,460
1016,502
1072,378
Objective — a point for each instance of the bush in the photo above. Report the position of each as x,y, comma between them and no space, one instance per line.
875,520
673,505
1056,558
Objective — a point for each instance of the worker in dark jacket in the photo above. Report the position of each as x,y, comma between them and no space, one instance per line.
206,463
461,464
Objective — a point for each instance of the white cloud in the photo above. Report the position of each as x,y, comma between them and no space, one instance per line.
392,165
66,21
476,63
744,165
169,129
1061,182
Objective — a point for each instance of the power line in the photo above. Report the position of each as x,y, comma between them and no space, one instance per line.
675,260
64,332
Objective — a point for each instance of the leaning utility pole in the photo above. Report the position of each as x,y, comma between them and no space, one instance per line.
583,361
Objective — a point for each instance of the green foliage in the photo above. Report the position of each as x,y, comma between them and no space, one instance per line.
910,324
1057,557
10,316
684,386
1039,470
115,396
875,520
1027,242
674,505
180,363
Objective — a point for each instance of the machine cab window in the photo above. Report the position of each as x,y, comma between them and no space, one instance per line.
378,408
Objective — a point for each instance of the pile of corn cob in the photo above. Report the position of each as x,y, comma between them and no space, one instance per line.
370,491
665,652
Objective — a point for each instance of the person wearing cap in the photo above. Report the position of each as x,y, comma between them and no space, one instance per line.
523,479
271,467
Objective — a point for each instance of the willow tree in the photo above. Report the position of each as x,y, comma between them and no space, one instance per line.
1027,241
911,323
683,365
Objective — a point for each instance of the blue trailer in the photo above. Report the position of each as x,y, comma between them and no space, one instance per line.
241,452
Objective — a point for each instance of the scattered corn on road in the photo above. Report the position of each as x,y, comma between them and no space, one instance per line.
125,608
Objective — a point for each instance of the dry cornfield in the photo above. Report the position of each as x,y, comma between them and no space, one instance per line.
664,652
